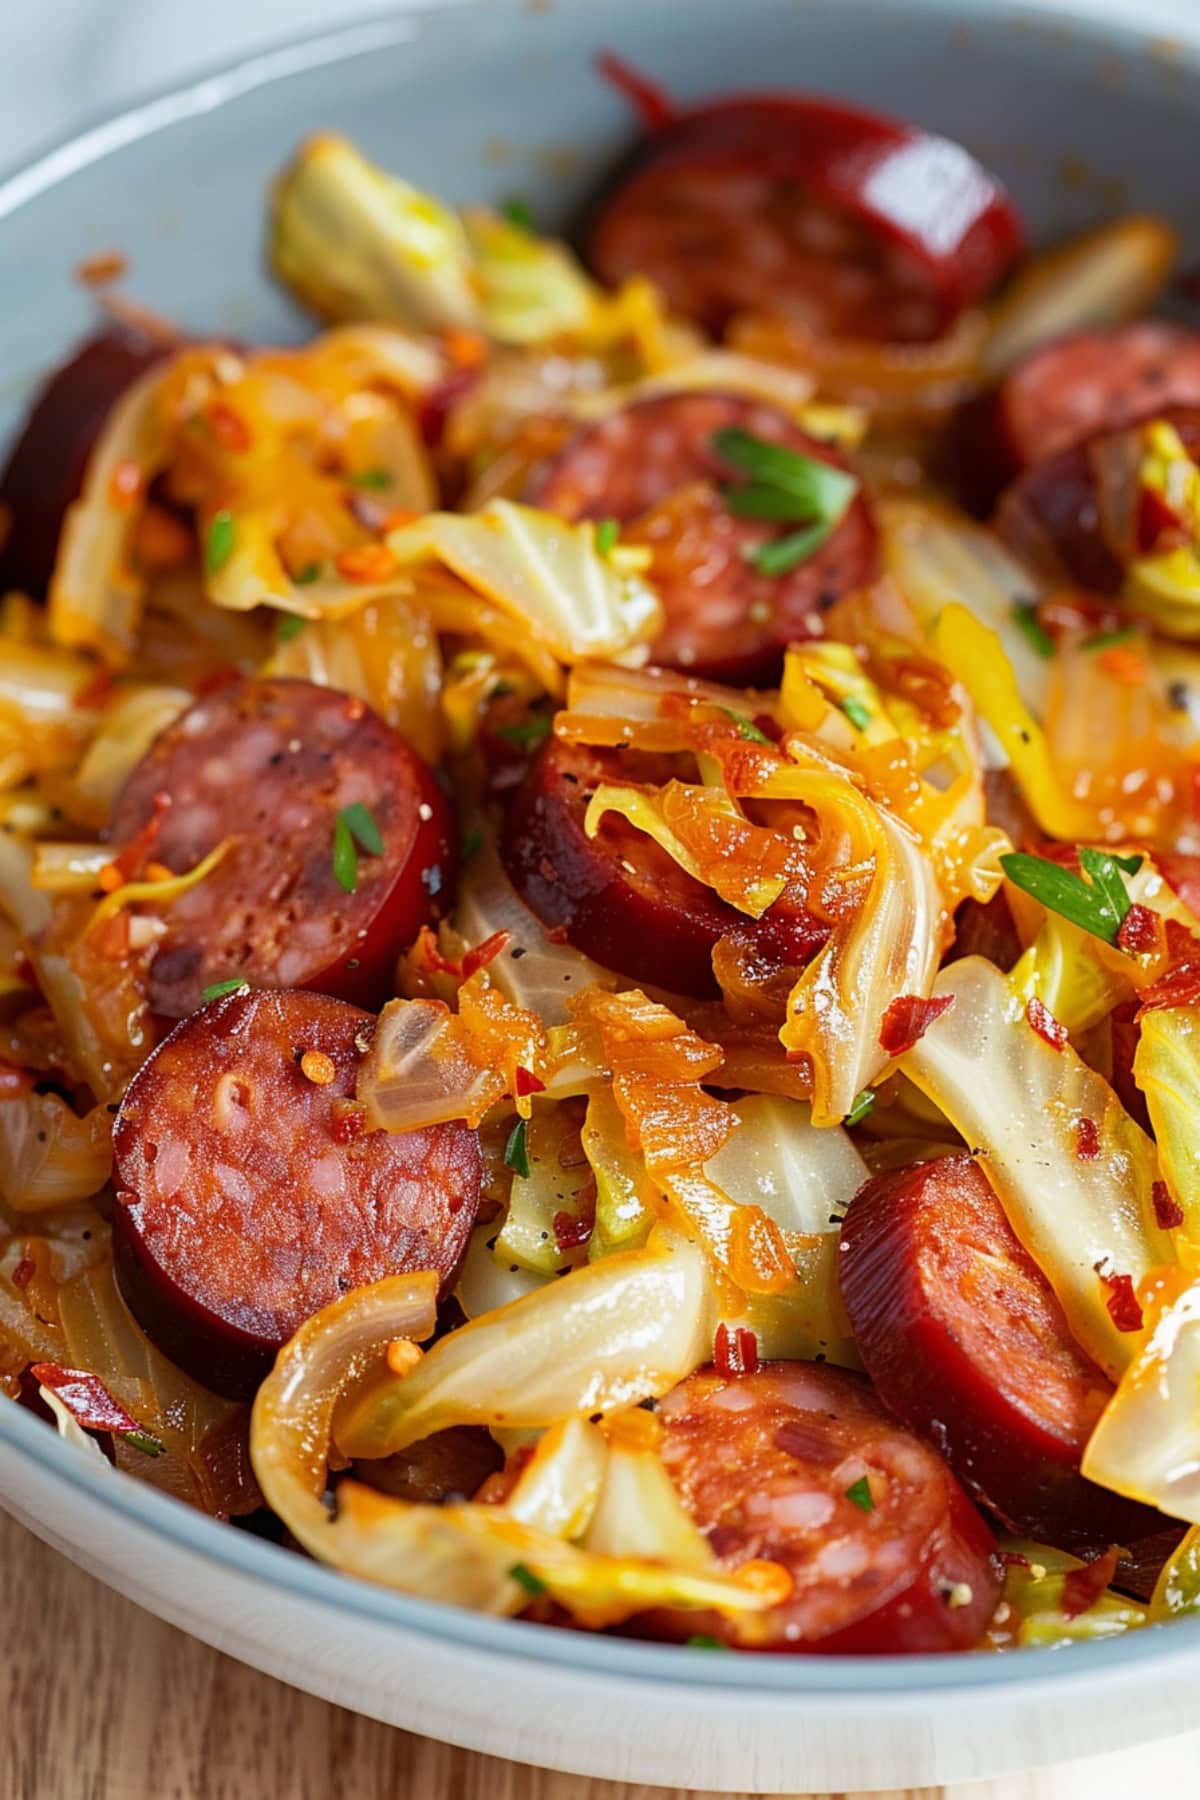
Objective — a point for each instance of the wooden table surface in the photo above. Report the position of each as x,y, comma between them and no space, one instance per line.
100,1701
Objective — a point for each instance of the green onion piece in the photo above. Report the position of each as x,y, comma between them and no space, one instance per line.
782,555
516,1152
857,711
345,856
361,822
1092,905
142,1440
369,478
860,1492
470,844
525,1577
218,547
701,1640
528,733
758,501
217,990
517,212
862,1106
826,491
607,533
747,727
1130,864
290,626
1107,877
309,573
1104,640
1026,619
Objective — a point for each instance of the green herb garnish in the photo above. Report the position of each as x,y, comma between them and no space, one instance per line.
142,1440
528,733
217,990
1105,640
1026,619
517,212
345,856
857,711
1097,906
747,727
516,1151
366,833
787,487
860,1492
782,555
470,844
309,573
218,546
369,478
701,1640
290,626
525,1577
607,533
862,1106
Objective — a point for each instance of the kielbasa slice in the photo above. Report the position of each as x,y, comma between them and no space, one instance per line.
248,1197
653,467
964,1339
800,1465
272,765
45,470
618,896
853,224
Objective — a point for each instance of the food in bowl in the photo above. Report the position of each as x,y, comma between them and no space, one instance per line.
601,888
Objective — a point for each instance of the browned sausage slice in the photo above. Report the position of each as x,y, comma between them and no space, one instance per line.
964,1339
247,1195
272,764
653,467
800,1464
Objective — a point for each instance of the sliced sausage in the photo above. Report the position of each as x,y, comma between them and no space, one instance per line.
854,224
45,470
964,1339
247,1195
1052,517
653,467
271,764
618,896
800,1465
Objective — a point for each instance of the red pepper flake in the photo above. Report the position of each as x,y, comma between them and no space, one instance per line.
528,1083
907,1020
367,564
571,1229
130,862
1168,1214
484,953
94,691
24,1272
1087,1140
229,428
1083,1587
125,485
86,1398
1139,932
439,403
557,934
100,270
652,104
1124,1307
1179,984
735,1352
471,962
1045,1024
1156,520
347,1121
1014,1559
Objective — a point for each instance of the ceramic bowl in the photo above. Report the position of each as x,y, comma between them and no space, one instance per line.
494,98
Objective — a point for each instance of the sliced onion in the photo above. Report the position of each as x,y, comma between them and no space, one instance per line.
49,1156
1145,1444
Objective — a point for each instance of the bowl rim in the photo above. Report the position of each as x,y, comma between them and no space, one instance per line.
779,1678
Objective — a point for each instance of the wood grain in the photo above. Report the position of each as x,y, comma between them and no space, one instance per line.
100,1701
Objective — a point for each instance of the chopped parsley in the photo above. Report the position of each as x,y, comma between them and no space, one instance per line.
142,1440
607,533
1097,906
369,478
702,1640
516,1151
528,733
309,573
218,546
525,1577
1107,640
217,990
354,829
857,711
862,1106
471,843
1026,619
860,1492
363,828
747,727
518,213
290,626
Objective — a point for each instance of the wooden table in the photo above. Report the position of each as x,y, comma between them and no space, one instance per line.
99,1701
